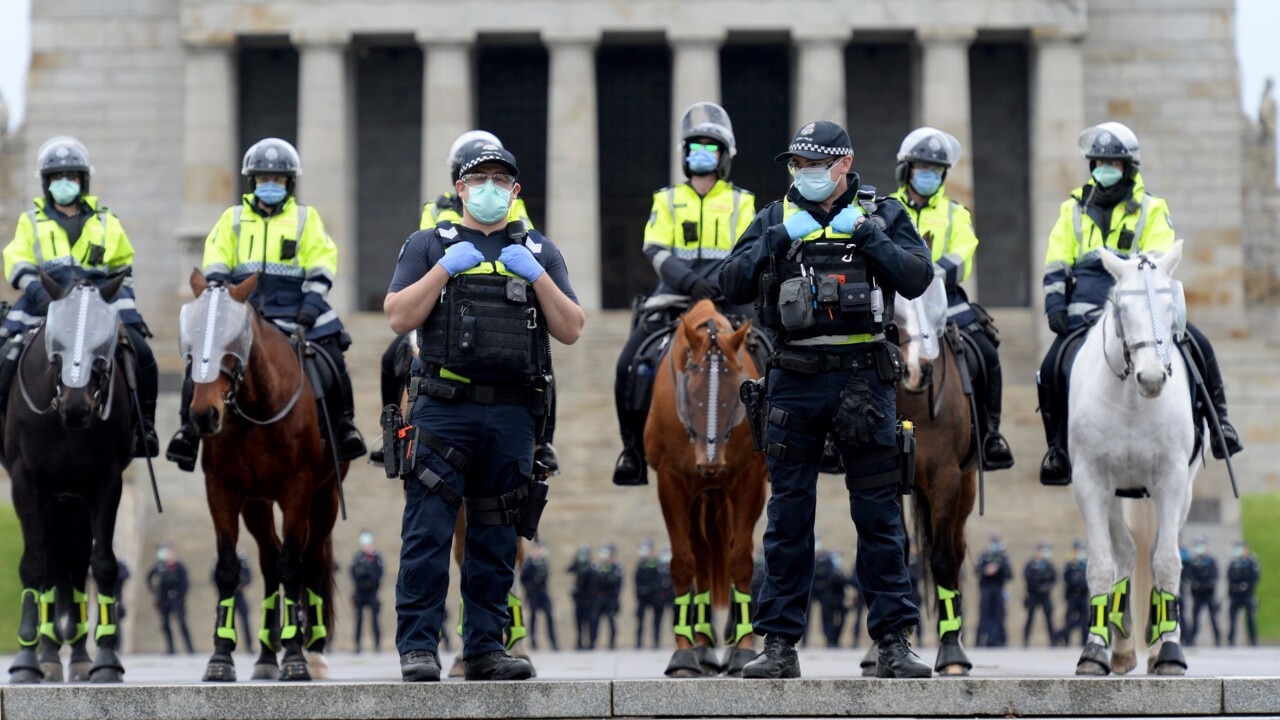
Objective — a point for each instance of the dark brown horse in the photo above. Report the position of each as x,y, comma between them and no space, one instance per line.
711,483
259,423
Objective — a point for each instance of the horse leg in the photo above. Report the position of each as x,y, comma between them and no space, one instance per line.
1164,634
317,564
106,664
746,505
1093,495
259,518
73,602
459,667
516,631
26,667
1123,656
224,507
675,510
947,517
704,629
296,512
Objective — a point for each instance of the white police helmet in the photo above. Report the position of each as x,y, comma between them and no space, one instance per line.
1109,141
707,119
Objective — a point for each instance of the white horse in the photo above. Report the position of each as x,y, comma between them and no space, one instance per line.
1131,428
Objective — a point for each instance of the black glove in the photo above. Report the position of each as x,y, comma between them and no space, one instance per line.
703,288
1058,322
306,317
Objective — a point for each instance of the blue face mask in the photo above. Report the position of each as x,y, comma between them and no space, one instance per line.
926,182
1107,175
488,203
64,191
271,193
815,184
701,162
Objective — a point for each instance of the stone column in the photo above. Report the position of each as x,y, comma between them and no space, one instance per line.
325,139
573,192
1057,117
695,77
820,75
211,178
447,105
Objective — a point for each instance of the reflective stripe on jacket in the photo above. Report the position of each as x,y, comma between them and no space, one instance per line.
716,221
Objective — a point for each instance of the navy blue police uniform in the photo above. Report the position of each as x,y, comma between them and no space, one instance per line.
838,372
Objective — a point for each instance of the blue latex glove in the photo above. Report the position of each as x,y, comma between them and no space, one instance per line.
846,219
520,261
459,257
800,224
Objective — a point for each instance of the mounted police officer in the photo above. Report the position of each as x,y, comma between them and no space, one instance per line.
692,227
273,235
1243,575
1040,576
70,235
947,228
826,269
483,296
1111,212
1075,583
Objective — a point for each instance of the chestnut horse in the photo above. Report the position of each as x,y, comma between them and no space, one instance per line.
259,424
711,483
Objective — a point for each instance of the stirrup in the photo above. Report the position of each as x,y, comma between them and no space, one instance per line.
183,450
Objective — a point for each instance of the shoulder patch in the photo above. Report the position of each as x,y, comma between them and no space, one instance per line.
403,246
447,231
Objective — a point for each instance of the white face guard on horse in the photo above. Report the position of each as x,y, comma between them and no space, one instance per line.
924,320
211,327
1165,308
711,410
81,331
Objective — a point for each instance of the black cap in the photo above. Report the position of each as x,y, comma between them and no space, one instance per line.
482,153
818,140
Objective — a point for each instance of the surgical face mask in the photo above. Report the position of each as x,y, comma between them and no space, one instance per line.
488,203
366,538
815,183
926,182
1107,175
64,191
161,555
1198,549
1237,553
1080,555
702,162
270,193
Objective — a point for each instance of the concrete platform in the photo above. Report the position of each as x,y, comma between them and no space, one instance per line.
1005,683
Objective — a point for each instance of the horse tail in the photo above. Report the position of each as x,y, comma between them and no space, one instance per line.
923,531
711,514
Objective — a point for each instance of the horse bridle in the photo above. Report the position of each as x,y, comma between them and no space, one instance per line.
1159,342
713,360
106,371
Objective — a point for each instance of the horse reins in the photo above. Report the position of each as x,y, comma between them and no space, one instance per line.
238,375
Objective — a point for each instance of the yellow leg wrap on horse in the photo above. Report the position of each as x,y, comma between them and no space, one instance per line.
270,620
742,606
48,599
1120,606
108,617
515,631
316,630
1164,614
81,600
226,629
30,602
948,620
289,625
683,628
1099,627
702,611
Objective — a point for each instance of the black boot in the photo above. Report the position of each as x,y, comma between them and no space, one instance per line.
896,660
420,666
145,441
630,468
1055,469
995,450
498,665
350,441
777,660
1218,396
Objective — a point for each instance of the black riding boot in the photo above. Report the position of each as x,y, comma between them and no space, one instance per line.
631,468
185,444
1218,396
1055,469
995,450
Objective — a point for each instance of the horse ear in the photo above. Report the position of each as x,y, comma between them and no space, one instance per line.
1114,264
112,288
198,283
244,289
688,333
51,286
1169,261
738,337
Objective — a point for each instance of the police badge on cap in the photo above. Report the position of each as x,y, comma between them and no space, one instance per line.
482,153
818,140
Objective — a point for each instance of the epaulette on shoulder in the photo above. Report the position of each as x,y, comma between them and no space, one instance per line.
446,231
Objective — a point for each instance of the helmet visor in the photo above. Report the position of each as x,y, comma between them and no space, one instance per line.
707,119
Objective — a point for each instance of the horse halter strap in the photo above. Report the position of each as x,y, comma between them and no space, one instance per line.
1160,341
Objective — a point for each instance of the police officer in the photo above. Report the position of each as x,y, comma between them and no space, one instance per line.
1111,212
584,595
168,582
1075,582
1242,583
1040,577
366,578
648,584
70,235
474,410
829,585
272,235
994,570
692,227
534,576
831,268
608,594
1204,588
947,228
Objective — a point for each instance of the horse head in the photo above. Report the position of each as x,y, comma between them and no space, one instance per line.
709,364
1145,311
921,323
80,335
215,335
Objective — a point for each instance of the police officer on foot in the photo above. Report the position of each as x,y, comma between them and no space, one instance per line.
473,410
947,228
692,227
833,370
1040,576
70,235
1112,212
1075,581
272,235
1242,584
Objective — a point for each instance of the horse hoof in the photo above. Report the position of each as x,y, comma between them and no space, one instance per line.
52,671
951,658
736,658
706,656
1091,668
459,668
294,671
1170,661
1122,663
25,676
953,670
684,664
79,670
106,675
106,667
318,664
266,671
222,669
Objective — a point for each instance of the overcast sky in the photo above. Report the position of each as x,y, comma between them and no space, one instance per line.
1256,45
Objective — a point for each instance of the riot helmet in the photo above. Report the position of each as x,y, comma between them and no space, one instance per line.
272,156
1111,141
60,154
708,120
465,141
928,145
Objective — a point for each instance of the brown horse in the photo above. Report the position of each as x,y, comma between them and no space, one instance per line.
258,419
711,483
